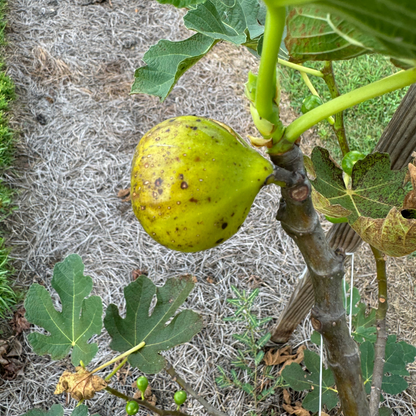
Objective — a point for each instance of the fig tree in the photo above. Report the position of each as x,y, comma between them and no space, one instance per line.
193,182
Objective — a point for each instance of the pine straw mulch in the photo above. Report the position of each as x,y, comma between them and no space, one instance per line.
73,63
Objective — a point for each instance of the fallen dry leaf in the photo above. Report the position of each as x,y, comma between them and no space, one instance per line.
295,410
81,385
210,279
138,272
125,194
19,322
286,396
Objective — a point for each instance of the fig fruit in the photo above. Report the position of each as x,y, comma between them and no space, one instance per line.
193,182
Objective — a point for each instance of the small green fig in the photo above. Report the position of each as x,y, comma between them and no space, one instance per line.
193,182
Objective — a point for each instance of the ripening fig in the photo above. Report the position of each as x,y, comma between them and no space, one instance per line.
193,182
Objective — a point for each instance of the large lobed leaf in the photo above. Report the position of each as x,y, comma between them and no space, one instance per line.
299,381
79,320
389,24
214,20
58,410
315,35
139,327
374,200
398,355
181,3
166,63
234,21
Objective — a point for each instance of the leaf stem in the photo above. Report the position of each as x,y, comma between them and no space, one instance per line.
399,80
144,403
380,345
266,80
116,369
338,126
300,68
210,409
125,354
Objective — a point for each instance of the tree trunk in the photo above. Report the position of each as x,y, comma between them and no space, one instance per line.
326,268
399,140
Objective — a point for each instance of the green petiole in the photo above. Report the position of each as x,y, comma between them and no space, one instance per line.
393,82
121,356
266,80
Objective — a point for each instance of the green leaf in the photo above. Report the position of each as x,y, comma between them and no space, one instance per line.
355,299
389,25
167,62
360,319
253,295
394,384
139,327
264,340
259,357
394,358
316,338
385,411
311,401
55,410
58,410
300,380
236,23
244,339
237,293
373,197
409,352
362,334
79,320
181,3
248,388
367,364
314,35
296,377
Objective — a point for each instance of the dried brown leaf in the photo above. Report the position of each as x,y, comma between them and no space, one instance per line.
19,322
125,194
295,410
410,199
81,385
286,396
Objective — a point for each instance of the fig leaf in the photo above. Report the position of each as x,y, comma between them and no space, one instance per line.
79,320
374,197
139,327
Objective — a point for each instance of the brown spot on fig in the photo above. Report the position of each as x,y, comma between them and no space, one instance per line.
197,159
154,194
180,176
209,199
167,130
200,180
224,225
194,128
146,165
142,207
184,185
219,241
193,200
184,154
158,182
160,190
168,207
233,214
179,202
177,159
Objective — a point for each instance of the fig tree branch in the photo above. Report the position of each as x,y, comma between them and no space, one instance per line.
326,267
146,404
380,345
210,409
